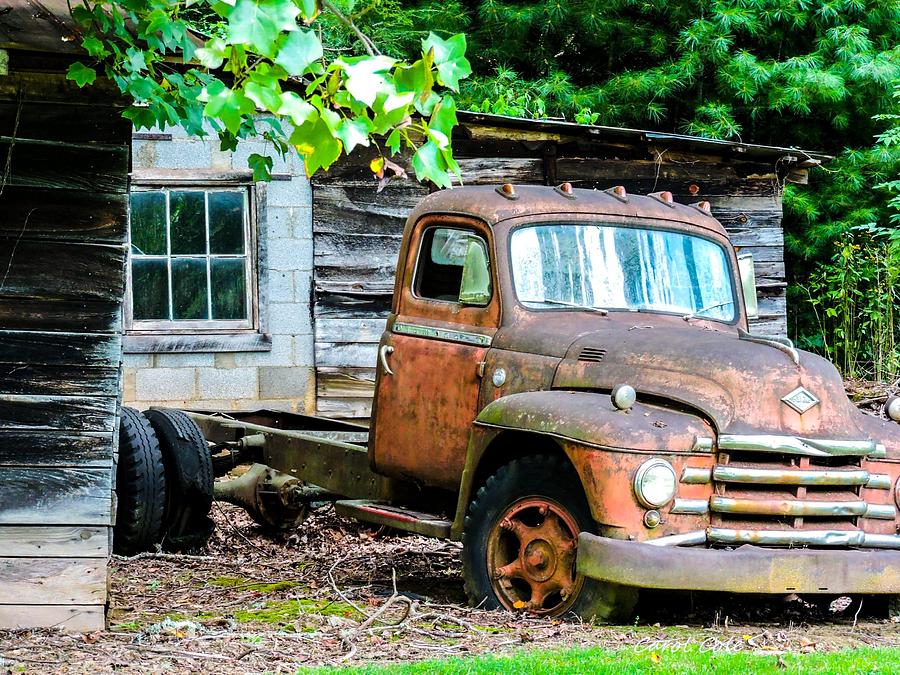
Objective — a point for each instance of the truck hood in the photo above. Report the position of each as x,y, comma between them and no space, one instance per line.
738,383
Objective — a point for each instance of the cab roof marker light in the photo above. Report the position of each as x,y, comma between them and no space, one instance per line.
665,197
507,190
703,207
565,189
619,193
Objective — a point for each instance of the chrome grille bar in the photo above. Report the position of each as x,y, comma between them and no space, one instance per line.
735,474
787,507
793,445
829,538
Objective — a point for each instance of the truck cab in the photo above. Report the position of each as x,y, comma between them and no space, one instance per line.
576,369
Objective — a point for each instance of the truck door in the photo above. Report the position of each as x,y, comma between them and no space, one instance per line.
446,311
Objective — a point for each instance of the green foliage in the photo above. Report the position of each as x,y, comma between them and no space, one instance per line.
266,56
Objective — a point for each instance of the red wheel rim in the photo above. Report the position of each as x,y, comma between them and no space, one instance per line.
531,557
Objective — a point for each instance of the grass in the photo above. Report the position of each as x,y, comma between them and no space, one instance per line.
250,585
692,660
282,612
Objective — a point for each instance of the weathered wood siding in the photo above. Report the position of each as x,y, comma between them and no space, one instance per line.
64,161
357,232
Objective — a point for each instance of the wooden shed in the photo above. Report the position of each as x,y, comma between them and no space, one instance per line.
64,161
357,231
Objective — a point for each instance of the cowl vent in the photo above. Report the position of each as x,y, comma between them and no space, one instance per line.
592,354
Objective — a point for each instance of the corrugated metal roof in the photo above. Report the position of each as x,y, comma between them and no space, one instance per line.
620,134
43,25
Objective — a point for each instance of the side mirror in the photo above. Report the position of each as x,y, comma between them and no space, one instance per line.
475,287
748,283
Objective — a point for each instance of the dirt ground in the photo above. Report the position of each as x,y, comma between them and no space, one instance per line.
337,592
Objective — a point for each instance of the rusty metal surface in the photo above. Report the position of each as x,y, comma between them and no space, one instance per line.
748,569
531,557
382,513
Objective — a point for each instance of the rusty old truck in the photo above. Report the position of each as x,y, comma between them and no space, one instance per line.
567,385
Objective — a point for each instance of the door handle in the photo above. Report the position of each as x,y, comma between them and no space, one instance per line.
383,353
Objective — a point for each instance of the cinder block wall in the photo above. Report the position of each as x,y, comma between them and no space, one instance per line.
282,377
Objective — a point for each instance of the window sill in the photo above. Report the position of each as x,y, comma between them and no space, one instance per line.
196,343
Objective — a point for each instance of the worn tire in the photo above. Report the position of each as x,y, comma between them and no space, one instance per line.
140,486
894,608
189,476
538,476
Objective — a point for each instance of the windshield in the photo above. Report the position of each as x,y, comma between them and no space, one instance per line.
607,267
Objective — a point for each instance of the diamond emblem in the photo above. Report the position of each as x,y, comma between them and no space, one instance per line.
801,400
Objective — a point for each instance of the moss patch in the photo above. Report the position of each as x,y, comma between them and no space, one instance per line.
251,585
283,612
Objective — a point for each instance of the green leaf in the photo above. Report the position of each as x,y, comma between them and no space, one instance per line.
443,119
366,76
429,164
226,105
298,51
81,74
258,23
213,53
309,10
265,96
93,46
296,108
262,167
353,132
315,142
450,59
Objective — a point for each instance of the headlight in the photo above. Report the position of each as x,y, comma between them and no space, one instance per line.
892,408
655,483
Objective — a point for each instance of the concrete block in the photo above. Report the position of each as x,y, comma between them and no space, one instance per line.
296,192
303,223
225,360
290,254
303,285
305,350
227,384
290,318
185,154
137,360
280,222
185,360
129,387
143,154
285,382
281,286
281,354
165,384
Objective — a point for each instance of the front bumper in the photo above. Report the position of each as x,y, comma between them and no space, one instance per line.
748,569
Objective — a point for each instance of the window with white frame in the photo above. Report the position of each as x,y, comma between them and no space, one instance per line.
190,260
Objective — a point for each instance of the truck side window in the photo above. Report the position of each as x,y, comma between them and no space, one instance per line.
443,256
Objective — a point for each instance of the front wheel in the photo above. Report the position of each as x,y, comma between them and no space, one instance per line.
520,542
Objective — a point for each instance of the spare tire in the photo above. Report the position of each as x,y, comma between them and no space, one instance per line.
189,477
140,486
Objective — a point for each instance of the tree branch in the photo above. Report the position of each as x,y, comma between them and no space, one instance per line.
367,43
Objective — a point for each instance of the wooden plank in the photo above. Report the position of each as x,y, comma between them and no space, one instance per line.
52,314
97,124
63,215
55,541
29,379
60,349
345,382
64,581
770,327
351,251
53,88
345,408
495,170
58,496
646,176
54,165
80,271
347,330
74,618
757,236
346,355
56,448
70,413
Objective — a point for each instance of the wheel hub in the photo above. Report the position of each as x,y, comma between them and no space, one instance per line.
531,556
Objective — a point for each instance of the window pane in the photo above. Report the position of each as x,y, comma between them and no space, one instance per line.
188,215
229,299
189,288
149,289
148,223
226,222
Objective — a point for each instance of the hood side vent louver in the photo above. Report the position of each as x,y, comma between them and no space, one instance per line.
592,355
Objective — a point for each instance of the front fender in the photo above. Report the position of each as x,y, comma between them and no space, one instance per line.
601,442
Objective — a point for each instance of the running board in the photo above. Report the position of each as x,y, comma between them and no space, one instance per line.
382,513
